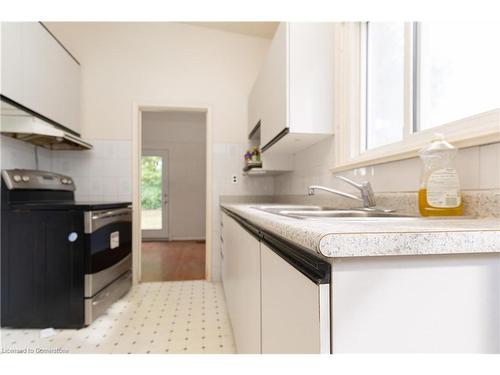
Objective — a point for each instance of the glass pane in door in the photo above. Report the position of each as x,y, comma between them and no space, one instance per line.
151,192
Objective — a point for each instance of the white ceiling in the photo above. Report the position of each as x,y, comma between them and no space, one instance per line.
259,29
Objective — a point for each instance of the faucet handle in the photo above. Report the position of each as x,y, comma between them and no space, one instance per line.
351,182
365,188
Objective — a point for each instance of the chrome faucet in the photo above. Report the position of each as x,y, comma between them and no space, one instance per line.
367,196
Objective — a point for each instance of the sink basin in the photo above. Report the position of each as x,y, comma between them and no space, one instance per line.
293,208
341,214
319,212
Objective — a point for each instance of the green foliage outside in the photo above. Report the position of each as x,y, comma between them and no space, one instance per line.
151,182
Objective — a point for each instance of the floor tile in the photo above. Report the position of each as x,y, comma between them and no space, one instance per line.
153,318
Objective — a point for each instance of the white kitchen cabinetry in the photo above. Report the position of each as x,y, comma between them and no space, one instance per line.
385,304
295,310
38,73
292,98
276,303
417,304
241,280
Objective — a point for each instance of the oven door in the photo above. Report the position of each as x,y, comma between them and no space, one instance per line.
108,247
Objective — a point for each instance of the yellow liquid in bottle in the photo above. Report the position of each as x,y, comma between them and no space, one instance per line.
427,210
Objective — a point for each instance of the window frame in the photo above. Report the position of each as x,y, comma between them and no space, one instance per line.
350,101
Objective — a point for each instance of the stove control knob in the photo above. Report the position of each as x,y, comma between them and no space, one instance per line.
16,178
26,178
70,181
64,181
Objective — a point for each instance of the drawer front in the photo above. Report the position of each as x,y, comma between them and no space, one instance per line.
97,305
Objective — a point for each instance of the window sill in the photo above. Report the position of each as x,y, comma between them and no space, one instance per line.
476,130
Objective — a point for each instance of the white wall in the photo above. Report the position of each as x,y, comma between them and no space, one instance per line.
175,64
161,62
183,134
478,167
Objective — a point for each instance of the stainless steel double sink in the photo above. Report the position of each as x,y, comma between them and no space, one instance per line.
320,212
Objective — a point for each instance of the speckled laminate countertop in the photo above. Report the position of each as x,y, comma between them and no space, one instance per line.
352,237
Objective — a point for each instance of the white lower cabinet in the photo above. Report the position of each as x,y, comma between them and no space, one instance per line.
417,304
295,310
273,307
281,299
241,280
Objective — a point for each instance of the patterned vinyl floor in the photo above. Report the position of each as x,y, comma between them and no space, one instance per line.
159,317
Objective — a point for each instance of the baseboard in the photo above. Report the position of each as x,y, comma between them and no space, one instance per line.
149,239
187,239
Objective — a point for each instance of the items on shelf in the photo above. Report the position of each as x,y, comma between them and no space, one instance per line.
252,158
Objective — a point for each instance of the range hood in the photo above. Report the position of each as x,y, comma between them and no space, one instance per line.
24,126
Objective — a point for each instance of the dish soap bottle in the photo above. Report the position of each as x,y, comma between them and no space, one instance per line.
439,193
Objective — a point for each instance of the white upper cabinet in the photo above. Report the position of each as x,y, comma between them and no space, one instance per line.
272,98
38,73
292,97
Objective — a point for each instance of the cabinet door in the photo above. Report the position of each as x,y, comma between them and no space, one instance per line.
311,81
226,259
53,77
40,74
254,104
273,90
13,80
295,310
241,280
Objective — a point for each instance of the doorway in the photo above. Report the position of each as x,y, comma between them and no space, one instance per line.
173,195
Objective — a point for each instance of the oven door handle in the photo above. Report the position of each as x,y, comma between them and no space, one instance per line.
98,219
104,214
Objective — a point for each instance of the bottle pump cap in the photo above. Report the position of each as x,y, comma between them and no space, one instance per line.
437,144
437,137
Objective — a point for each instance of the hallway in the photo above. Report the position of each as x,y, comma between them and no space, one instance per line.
173,261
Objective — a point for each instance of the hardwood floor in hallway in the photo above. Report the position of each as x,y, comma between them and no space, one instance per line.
173,261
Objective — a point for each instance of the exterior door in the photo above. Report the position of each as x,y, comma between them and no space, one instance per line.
154,194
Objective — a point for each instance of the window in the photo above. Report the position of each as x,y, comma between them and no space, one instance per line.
385,81
402,82
457,68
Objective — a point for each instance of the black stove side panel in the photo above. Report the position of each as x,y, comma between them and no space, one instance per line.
42,270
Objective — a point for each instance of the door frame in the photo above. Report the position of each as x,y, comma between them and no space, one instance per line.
152,105
163,153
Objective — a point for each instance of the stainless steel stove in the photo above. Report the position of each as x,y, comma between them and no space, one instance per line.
64,262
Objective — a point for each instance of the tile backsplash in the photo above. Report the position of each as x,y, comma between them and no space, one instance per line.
19,154
478,168
101,174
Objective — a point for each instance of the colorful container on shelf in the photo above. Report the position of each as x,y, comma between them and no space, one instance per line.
252,157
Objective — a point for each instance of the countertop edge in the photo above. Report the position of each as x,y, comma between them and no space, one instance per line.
342,245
